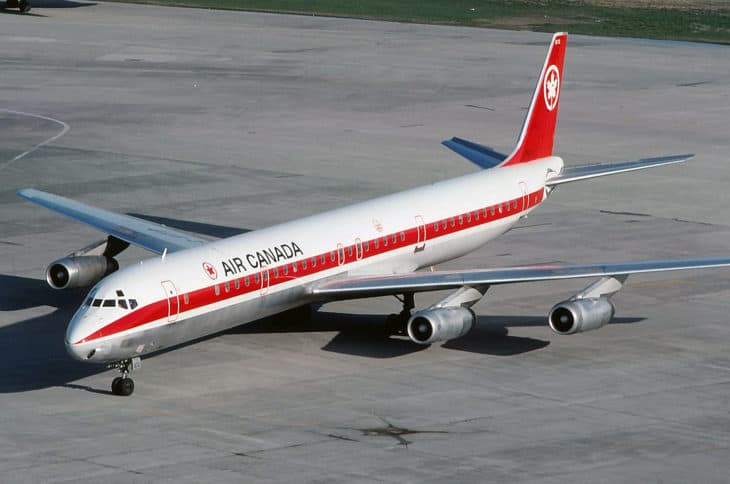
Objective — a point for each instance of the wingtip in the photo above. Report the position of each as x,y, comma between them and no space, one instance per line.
25,192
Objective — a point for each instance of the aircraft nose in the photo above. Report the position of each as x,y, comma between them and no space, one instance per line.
75,351
74,336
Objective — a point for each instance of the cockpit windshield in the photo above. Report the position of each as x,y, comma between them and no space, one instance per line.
119,301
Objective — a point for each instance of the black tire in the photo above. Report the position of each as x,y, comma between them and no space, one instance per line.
24,6
115,385
126,387
395,324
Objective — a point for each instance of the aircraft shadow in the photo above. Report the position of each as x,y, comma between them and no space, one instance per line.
48,4
217,231
32,352
367,336
33,356
14,11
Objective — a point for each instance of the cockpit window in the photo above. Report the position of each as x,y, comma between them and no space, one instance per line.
109,303
96,303
122,303
132,303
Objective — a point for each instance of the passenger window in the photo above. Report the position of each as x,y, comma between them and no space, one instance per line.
500,208
285,269
314,261
186,298
385,241
367,246
402,236
122,303
377,243
476,216
443,224
96,303
132,303
393,238
109,303
332,256
322,258
436,227
217,290
349,251
247,281
514,204
453,221
256,278
492,210
294,266
228,286
237,284
304,264
461,220
276,271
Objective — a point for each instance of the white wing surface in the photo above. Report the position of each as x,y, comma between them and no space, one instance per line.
371,286
148,235
585,172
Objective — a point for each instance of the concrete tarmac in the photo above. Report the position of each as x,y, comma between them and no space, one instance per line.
221,121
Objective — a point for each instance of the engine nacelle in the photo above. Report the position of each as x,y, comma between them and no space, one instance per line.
440,324
79,271
578,315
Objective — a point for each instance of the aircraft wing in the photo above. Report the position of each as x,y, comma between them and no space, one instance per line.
148,235
371,286
584,172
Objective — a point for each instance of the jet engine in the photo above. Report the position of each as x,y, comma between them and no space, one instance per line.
79,271
578,315
440,324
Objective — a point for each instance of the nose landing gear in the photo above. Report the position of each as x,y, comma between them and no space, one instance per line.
123,385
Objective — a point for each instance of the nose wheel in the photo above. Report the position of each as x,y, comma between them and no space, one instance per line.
123,385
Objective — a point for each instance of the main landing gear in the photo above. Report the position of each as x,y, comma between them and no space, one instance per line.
123,385
396,323
22,5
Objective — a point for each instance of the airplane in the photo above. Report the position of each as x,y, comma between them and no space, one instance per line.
196,287
22,5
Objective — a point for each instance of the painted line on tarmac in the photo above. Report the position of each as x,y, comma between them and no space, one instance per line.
64,129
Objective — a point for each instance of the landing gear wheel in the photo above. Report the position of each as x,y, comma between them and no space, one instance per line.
126,387
24,6
115,385
397,323
123,385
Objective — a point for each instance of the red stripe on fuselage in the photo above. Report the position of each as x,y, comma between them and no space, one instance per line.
318,263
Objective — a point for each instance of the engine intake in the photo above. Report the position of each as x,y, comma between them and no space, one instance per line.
440,324
579,315
79,271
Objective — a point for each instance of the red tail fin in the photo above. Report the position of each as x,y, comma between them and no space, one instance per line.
538,128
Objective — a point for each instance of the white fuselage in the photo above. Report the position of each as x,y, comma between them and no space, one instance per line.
196,292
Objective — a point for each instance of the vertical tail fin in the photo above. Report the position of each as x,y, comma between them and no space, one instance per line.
538,128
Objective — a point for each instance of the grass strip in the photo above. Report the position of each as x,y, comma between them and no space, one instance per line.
578,17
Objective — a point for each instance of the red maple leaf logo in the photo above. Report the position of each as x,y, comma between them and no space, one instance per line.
210,270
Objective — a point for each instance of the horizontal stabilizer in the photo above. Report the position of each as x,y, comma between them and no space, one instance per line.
577,173
482,156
